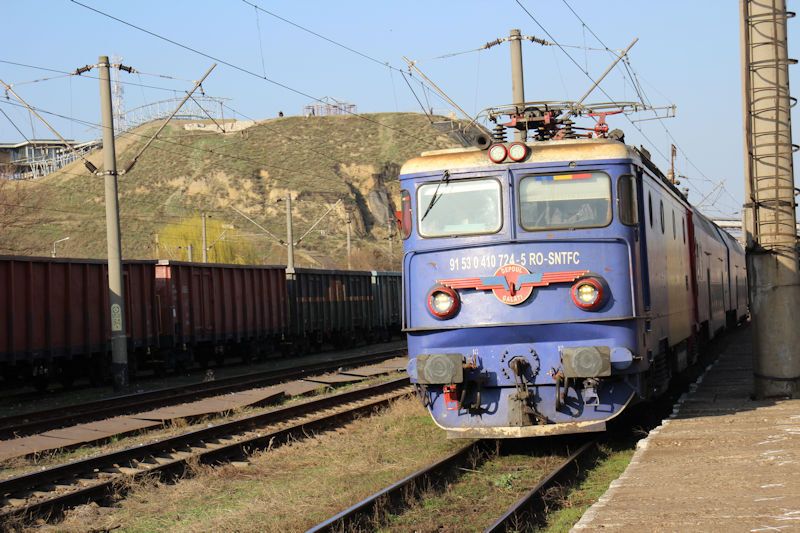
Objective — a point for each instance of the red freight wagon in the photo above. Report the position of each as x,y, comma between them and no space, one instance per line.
205,307
330,305
54,317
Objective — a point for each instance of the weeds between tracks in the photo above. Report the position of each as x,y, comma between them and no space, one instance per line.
284,489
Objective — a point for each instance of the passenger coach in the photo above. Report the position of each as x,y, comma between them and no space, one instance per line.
549,285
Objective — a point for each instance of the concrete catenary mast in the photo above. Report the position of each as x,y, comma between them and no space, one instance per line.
769,214
119,341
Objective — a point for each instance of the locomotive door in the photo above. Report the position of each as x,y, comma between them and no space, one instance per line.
643,258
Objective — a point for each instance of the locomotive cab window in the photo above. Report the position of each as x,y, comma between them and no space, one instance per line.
565,201
463,207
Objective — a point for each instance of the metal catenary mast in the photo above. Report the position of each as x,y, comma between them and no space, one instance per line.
769,214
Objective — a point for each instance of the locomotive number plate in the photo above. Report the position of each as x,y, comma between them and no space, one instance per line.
469,262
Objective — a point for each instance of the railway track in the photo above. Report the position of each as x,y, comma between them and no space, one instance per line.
39,421
50,491
532,507
527,510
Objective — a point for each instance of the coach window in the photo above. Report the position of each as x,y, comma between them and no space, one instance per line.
650,207
565,201
626,200
459,207
661,204
683,229
674,232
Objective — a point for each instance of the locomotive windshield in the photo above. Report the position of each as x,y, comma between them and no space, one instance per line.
464,207
581,200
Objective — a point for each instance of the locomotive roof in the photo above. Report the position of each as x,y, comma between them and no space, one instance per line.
541,152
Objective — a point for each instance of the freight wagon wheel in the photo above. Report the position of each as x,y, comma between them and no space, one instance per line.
219,356
184,360
66,374
99,369
159,370
338,342
41,382
202,358
263,350
133,364
249,353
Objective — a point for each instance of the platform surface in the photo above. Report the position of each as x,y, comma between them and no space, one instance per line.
722,462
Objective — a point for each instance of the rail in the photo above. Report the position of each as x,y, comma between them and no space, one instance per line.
530,508
44,420
50,491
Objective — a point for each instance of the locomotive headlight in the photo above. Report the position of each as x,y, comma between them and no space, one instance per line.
518,151
443,302
497,153
588,293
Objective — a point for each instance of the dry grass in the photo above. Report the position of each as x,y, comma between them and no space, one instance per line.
285,489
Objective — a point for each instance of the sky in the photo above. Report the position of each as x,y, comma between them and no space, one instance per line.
687,55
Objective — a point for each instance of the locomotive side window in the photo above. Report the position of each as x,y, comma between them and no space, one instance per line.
650,207
405,214
661,203
462,207
626,200
565,201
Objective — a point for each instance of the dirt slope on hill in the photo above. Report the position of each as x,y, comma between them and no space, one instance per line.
316,160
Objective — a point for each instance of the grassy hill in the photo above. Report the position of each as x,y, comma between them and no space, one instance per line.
316,160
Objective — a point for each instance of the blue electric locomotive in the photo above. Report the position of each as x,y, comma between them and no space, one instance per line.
550,284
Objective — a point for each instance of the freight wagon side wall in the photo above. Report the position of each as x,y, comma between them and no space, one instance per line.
51,308
203,303
327,302
386,294
248,302
141,304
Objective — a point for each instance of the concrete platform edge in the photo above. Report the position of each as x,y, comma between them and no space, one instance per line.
587,520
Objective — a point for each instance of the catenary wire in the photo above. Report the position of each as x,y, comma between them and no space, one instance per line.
234,66
640,92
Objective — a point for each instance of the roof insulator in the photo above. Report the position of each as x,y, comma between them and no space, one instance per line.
499,133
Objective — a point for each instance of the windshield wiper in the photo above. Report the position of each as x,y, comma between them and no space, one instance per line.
435,198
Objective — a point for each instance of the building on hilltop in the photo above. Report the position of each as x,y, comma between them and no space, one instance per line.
329,106
38,157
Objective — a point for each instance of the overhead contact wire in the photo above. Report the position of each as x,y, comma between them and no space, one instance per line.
233,65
